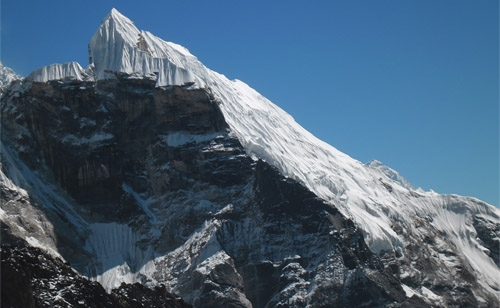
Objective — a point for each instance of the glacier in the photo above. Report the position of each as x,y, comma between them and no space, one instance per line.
373,195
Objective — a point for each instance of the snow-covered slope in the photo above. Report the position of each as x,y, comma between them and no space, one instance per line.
7,75
66,71
371,195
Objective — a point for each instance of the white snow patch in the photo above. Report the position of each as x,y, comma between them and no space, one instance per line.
431,295
409,291
95,138
36,243
117,256
178,139
143,203
225,210
207,266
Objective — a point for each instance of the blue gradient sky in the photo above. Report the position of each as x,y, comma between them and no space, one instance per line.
413,84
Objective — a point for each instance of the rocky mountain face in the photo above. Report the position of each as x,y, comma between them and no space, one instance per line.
148,182
112,146
119,188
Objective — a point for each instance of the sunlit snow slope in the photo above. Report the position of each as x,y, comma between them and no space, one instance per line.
6,76
373,195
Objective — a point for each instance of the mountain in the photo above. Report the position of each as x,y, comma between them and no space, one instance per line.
147,167
7,76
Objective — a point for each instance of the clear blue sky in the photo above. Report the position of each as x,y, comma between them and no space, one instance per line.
413,84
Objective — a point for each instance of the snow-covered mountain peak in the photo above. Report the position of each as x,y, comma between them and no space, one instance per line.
138,38
115,15
118,46
390,173
7,75
403,226
372,195
120,25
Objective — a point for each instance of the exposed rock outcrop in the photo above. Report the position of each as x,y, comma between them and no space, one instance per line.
32,278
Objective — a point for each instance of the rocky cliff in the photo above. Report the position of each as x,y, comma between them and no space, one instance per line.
32,278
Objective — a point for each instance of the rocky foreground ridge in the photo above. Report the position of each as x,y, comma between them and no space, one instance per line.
33,278
182,189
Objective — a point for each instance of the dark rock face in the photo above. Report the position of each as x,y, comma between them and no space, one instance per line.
32,278
489,234
320,240
87,133
148,182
